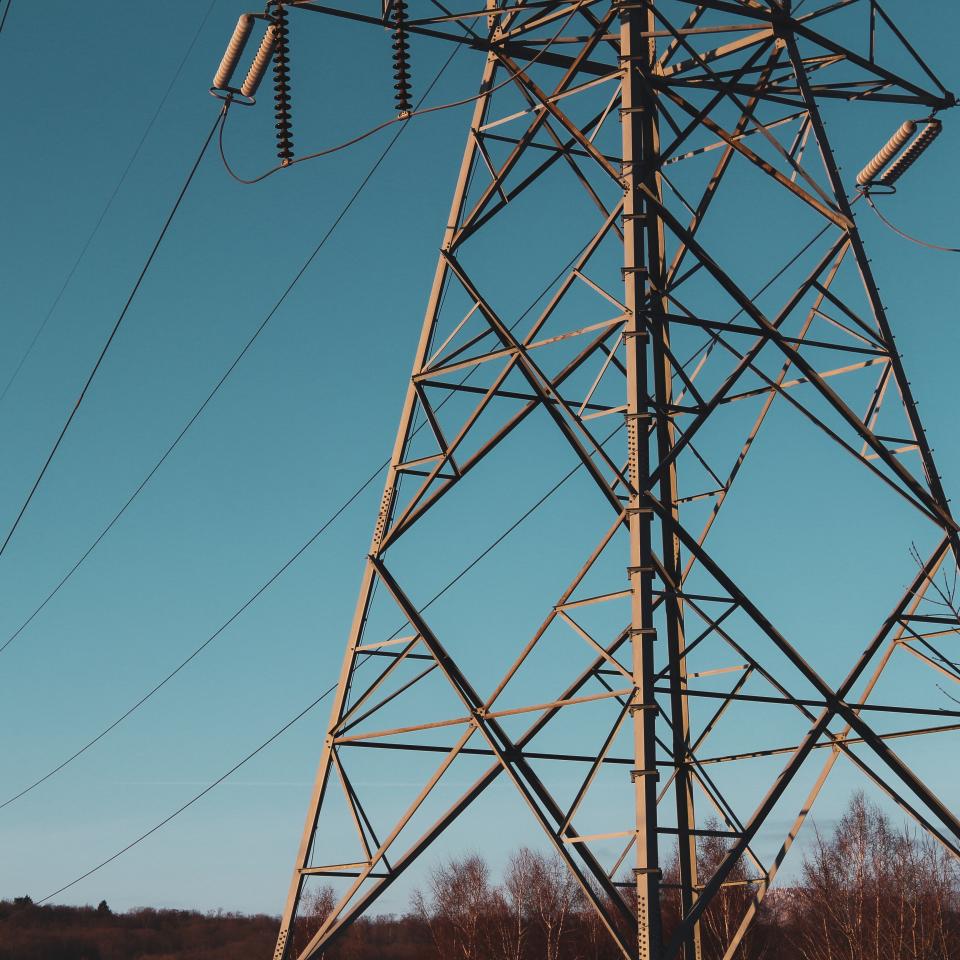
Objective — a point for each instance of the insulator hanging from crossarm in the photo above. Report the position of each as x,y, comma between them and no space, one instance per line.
871,174
909,156
281,86
401,57
260,62
235,48
886,153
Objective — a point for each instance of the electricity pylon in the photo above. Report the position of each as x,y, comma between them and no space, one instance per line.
719,287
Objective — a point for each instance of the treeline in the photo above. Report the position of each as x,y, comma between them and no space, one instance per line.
869,891
30,932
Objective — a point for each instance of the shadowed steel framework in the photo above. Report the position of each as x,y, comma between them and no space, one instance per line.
721,289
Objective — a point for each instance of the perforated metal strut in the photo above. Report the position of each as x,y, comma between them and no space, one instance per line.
401,57
281,85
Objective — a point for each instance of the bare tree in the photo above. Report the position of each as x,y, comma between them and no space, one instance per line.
315,906
591,940
873,891
459,909
512,920
555,899
538,913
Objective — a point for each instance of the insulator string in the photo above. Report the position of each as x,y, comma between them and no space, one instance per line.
402,118
886,153
235,48
910,156
260,63
281,86
401,58
874,174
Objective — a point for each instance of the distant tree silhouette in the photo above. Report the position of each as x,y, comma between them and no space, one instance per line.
460,909
873,891
868,891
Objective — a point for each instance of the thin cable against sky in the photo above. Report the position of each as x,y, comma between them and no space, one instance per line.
299,552
106,209
268,583
198,650
232,366
113,333
278,733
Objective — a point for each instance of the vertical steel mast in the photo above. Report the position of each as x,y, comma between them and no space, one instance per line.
644,333
649,418
708,287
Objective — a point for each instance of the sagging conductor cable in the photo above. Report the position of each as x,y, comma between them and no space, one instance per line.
113,332
198,650
106,207
267,584
232,366
326,693
285,566
906,236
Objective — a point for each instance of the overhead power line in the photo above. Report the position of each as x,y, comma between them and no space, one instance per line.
206,643
310,706
299,552
176,813
907,236
364,183
403,117
106,209
113,333
266,585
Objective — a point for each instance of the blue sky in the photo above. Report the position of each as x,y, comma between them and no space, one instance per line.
308,414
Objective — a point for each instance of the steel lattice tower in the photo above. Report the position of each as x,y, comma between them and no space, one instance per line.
655,359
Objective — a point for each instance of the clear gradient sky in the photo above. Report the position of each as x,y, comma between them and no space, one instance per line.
307,415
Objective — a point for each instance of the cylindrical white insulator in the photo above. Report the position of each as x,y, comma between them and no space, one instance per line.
909,156
889,150
260,62
235,47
